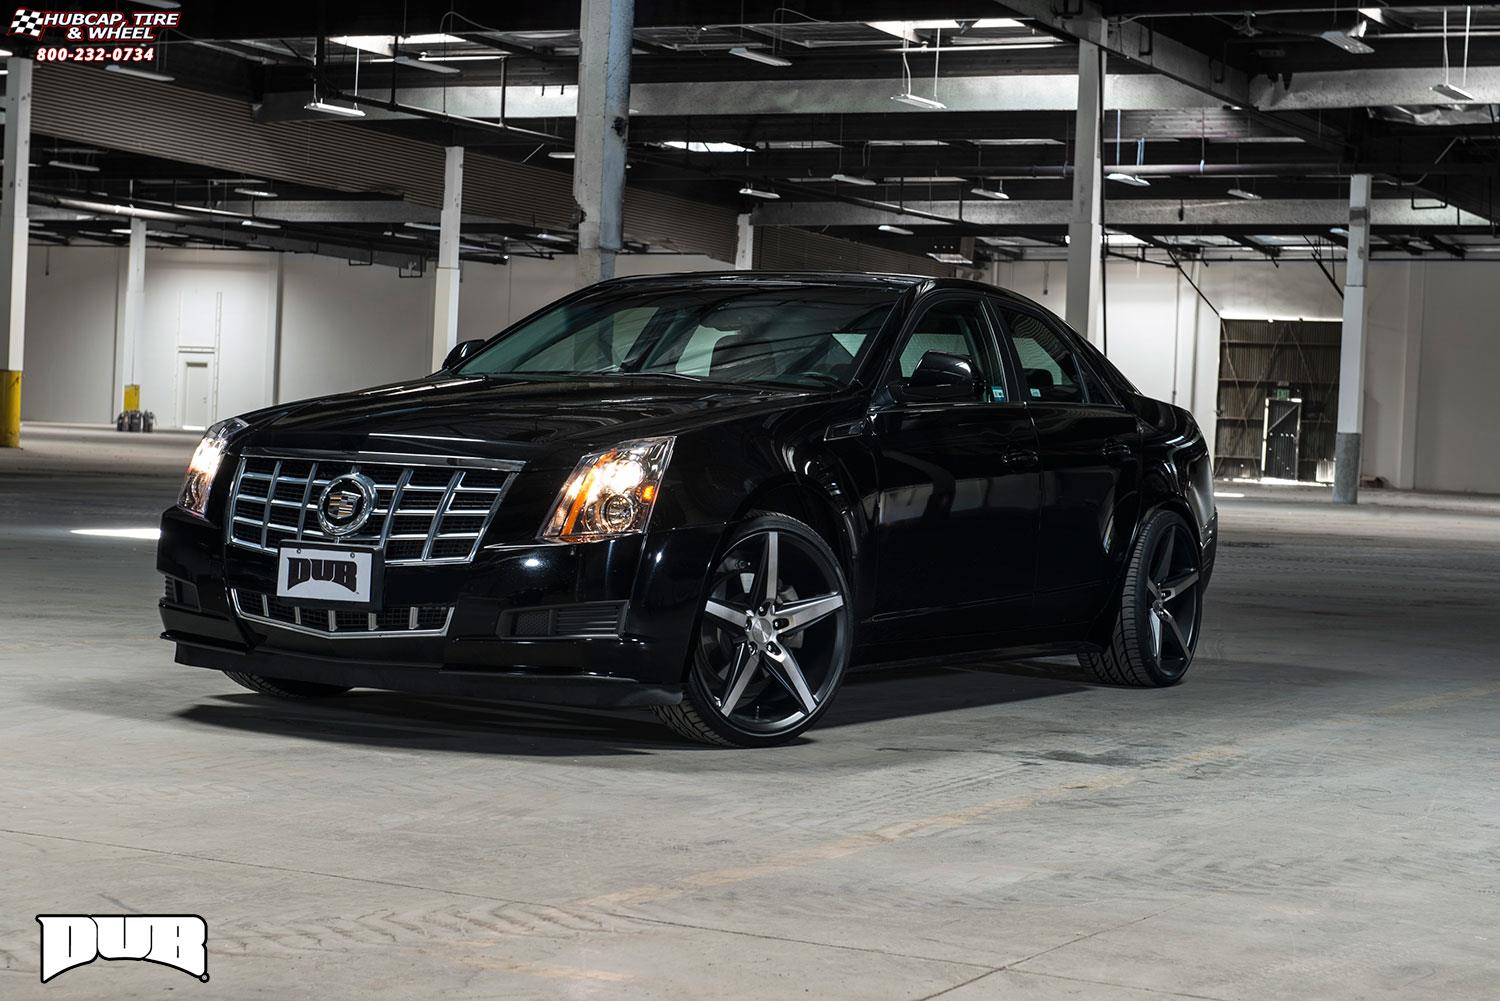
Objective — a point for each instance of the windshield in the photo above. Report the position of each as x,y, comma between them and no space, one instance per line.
807,335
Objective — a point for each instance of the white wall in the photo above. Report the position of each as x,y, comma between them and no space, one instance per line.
1433,346
341,326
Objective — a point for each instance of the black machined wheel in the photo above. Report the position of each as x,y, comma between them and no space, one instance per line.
1161,609
773,639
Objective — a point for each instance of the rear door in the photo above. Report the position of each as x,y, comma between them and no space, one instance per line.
1090,448
958,488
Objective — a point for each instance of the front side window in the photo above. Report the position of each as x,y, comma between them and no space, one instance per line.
806,335
1051,371
954,327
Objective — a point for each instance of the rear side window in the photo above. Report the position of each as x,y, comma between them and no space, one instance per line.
1051,370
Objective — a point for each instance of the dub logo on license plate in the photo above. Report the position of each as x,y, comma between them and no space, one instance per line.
341,576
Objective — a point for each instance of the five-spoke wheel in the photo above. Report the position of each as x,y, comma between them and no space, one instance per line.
1161,609
773,640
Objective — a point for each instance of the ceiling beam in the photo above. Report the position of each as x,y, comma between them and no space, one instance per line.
1155,214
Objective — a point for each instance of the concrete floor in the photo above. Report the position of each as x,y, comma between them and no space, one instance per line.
1313,814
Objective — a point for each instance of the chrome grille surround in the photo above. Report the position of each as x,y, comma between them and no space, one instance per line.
404,621
429,510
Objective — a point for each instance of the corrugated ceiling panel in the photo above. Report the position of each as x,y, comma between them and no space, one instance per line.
785,248
176,123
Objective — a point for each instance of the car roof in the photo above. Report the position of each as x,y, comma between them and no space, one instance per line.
924,284
845,278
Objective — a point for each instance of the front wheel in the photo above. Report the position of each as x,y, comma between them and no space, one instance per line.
1161,609
773,639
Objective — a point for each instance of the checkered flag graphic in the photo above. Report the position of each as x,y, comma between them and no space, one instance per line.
26,22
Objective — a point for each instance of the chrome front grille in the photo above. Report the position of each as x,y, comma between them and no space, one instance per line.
399,620
423,513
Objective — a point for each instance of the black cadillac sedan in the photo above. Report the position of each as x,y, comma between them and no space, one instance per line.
706,494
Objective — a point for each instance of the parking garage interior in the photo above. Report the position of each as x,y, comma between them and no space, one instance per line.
1280,217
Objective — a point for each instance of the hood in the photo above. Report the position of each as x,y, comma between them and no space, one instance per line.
507,418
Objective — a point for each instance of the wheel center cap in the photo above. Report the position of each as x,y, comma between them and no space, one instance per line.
760,630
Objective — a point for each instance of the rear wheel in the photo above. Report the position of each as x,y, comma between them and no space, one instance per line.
773,639
1161,609
284,688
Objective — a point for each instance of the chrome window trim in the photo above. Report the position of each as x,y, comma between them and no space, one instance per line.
269,622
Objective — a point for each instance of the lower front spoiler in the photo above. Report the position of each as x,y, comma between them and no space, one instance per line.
545,688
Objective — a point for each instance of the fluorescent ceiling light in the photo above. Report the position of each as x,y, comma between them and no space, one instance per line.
759,56
462,57
1248,196
1338,231
1016,142
997,22
1134,180
69,165
931,179
1421,244
948,258
123,230
257,224
255,192
798,144
143,74
854,179
561,154
420,63
906,142
706,147
5,53
758,193
918,101
334,109
382,45
401,236
1373,13
990,193
1349,40
421,225
551,238
1454,92
897,230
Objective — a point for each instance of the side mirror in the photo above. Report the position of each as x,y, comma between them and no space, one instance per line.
941,376
461,353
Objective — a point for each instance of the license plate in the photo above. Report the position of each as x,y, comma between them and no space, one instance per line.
346,578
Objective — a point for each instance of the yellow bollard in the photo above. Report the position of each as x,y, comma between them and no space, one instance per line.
10,408
132,397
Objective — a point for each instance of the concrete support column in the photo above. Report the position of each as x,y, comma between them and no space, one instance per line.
132,319
445,296
1085,227
600,128
1352,348
13,237
744,243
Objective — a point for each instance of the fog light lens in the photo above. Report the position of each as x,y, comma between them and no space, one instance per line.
611,492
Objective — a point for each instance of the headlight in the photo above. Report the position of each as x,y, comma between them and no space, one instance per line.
205,463
611,492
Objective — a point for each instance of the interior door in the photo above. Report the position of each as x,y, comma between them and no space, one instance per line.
1090,449
958,490
195,390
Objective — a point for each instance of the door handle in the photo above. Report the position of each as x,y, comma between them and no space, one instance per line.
1021,458
1116,450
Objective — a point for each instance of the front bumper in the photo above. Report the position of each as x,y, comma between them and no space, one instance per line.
656,579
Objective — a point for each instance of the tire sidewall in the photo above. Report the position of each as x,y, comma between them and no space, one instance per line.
1138,598
694,689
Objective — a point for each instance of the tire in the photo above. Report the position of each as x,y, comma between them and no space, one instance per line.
1160,616
284,688
767,660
